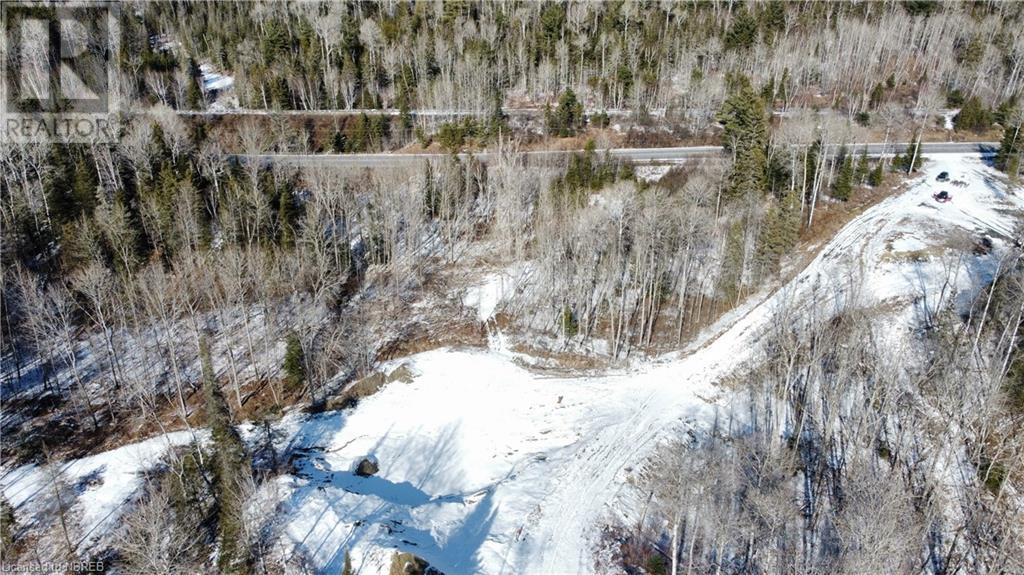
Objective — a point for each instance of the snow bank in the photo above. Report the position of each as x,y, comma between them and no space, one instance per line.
102,484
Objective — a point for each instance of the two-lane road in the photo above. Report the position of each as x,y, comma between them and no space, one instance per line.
639,155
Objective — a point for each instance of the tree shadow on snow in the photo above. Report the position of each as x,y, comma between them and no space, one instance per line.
382,510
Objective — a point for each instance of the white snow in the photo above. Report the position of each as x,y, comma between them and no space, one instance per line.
485,466
102,483
213,80
947,118
495,290
488,467
651,173
486,296
910,248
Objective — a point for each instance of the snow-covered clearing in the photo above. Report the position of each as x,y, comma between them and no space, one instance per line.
488,467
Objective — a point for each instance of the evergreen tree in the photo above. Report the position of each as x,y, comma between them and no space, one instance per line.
288,213
161,152
811,167
911,162
877,175
779,176
954,98
294,363
57,186
280,95
1011,149
843,184
973,116
567,118
338,142
84,187
359,137
347,568
497,121
1004,114
746,136
193,93
743,33
877,94
231,464
404,113
783,90
768,91
779,231
380,129
772,20
432,197
863,168
731,277
164,191
569,325
452,136
275,40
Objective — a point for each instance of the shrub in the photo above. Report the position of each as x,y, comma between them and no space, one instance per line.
294,363
954,98
991,473
569,326
7,528
656,565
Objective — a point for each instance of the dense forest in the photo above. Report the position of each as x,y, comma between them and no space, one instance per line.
170,281
472,56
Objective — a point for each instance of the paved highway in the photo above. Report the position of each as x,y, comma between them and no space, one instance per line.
640,155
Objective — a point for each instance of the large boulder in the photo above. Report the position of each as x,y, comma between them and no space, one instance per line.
409,564
366,466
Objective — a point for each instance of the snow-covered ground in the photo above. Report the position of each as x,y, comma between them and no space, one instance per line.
99,485
213,80
488,467
651,173
947,118
487,296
